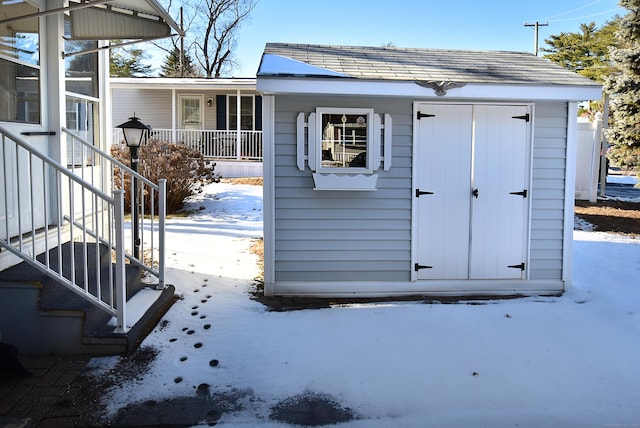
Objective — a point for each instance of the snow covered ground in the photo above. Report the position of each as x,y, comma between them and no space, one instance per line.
570,361
622,179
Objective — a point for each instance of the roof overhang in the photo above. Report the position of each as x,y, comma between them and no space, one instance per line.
118,19
232,84
137,20
389,88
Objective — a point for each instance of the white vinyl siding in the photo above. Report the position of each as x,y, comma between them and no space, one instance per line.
547,196
152,107
341,235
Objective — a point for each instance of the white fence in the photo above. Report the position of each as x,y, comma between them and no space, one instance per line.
589,136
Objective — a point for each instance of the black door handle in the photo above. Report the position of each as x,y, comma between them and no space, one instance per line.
475,193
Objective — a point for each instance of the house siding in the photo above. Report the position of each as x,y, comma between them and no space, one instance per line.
152,107
366,236
342,235
547,196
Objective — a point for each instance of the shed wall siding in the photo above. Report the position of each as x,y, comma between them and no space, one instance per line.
547,196
342,235
366,236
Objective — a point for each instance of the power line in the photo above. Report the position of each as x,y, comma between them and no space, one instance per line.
589,16
536,26
572,10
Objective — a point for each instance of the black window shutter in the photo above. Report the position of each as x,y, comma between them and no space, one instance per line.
221,112
258,120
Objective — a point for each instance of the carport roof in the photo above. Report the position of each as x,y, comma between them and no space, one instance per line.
414,64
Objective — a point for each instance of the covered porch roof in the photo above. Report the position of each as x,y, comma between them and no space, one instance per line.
136,20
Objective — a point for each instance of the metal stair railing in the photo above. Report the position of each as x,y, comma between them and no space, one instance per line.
84,159
45,206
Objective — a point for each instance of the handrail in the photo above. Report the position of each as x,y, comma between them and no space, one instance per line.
81,211
84,154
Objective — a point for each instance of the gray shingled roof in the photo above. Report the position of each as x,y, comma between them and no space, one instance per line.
417,64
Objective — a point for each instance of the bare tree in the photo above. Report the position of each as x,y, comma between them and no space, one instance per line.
211,32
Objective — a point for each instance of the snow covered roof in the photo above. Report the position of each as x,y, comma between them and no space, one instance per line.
414,64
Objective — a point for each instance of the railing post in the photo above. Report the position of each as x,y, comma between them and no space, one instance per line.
238,144
120,276
162,214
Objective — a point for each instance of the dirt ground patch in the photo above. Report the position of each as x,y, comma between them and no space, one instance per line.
255,181
611,216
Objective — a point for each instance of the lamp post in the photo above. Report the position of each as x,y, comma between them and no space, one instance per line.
135,134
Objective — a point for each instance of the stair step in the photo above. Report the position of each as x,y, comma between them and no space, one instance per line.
46,307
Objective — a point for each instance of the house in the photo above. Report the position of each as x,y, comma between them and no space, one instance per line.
70,268
201,113
392,171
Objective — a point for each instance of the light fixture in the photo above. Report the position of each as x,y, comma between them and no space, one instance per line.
210,102
135,134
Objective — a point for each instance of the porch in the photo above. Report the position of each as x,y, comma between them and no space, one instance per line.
236,153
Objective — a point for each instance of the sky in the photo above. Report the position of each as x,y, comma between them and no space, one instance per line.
568,361
462,24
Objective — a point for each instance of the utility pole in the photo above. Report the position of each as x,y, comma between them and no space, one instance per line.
181,45
536,26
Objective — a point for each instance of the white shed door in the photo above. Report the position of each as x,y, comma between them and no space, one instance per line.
472,175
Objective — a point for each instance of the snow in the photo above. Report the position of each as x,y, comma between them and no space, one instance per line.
622,179
279,65
535,361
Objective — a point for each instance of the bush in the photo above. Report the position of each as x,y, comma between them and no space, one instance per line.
185,169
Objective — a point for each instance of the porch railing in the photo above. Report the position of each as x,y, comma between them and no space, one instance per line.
102,171
214,144
44,206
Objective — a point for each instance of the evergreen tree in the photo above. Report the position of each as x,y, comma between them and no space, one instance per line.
128,63
585,52
624,88
171,65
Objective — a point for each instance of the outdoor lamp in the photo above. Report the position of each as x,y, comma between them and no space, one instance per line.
135,134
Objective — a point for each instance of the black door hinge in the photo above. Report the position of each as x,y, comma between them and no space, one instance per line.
520,266
524,117
523,193
420,115
420,193
417,267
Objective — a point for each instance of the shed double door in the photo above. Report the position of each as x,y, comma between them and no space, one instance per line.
472,176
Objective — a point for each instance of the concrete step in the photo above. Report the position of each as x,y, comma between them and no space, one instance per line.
40,315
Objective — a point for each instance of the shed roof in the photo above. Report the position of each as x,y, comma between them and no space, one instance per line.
414,64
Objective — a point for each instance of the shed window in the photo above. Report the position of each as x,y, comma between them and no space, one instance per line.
343,147
344,140
345,137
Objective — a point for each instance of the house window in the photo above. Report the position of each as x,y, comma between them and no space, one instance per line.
20,66
191,112
345,139
247,112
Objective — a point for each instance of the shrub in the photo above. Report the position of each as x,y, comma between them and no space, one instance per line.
185,169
